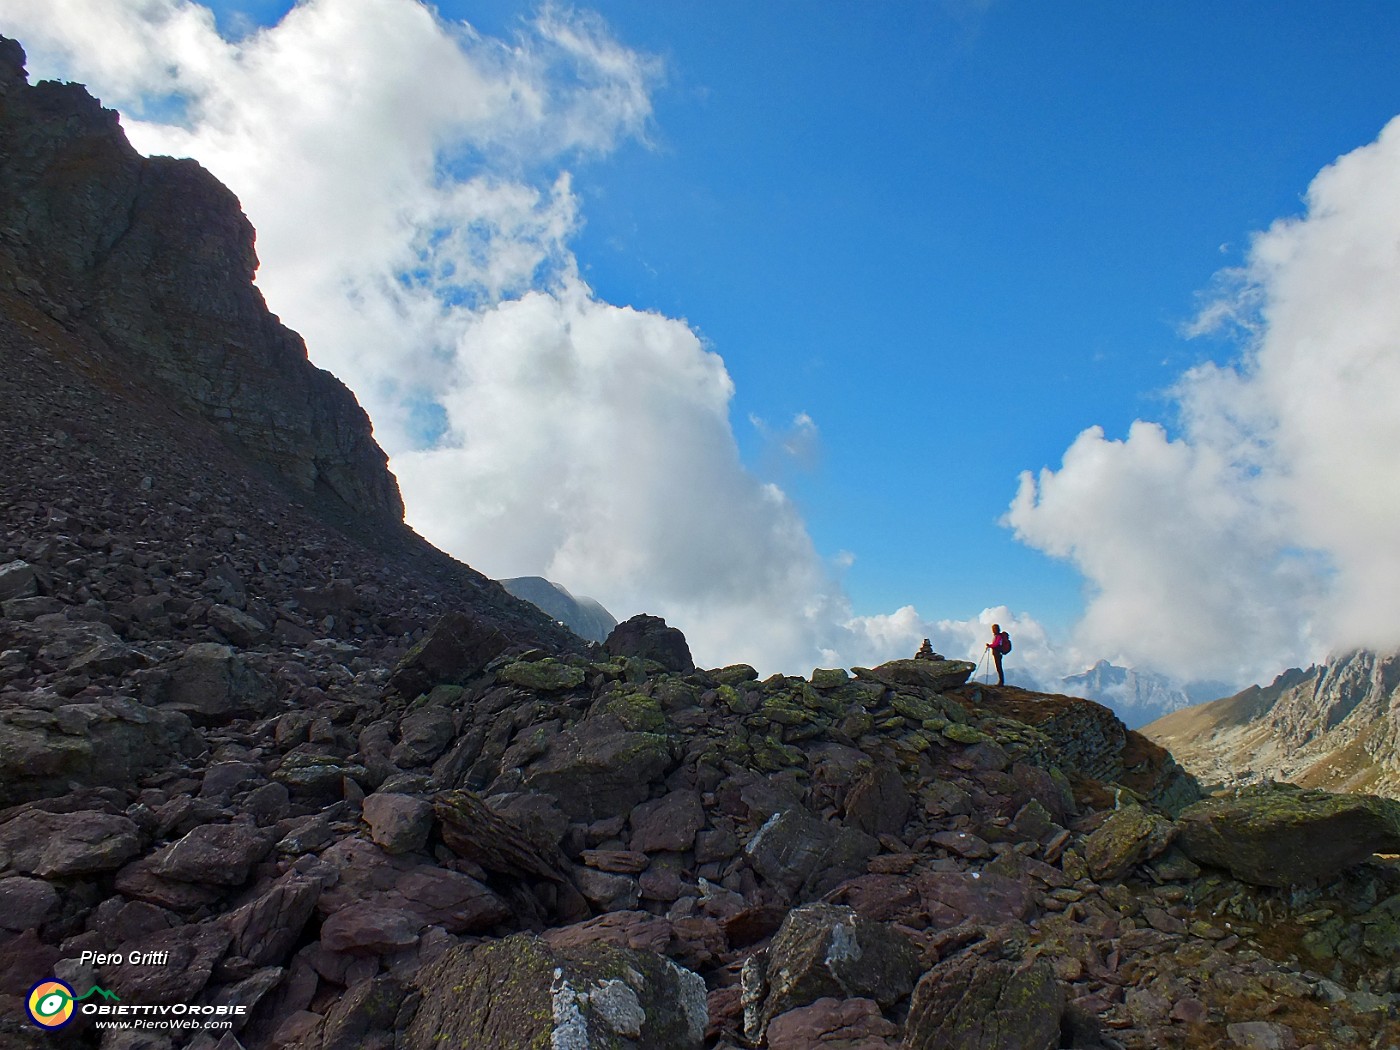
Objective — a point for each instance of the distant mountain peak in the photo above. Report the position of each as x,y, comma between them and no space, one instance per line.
584,616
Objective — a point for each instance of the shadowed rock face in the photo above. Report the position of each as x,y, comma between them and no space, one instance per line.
154,257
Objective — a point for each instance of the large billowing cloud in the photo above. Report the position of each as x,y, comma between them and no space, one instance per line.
409,179
1265,533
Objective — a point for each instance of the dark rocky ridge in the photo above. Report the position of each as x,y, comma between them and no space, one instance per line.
372,832
154,257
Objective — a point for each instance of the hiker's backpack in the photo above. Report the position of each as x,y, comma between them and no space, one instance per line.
1004,643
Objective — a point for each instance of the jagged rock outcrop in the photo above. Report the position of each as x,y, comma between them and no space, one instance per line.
154,257
1091,739
1334,726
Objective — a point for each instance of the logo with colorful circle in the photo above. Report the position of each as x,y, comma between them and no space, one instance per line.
50,1003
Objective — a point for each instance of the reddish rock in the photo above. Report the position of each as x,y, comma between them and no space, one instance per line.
372,927
638,930
833,1024
213,854
398,823
59,845
667,823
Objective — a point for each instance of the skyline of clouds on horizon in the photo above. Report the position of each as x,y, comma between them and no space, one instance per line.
416,215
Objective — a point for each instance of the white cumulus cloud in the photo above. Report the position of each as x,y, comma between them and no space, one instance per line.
1264,533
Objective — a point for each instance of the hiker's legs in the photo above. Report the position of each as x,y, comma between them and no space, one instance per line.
1001,678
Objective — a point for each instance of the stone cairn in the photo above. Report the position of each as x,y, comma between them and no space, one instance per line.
926,652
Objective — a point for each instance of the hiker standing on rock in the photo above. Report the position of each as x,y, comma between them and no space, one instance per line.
1000,645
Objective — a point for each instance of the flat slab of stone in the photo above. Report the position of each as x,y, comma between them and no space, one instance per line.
1285,836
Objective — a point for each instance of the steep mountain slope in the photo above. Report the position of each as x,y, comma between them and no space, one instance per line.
144,375
1335,726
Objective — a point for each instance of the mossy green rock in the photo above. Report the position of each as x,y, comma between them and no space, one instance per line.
635,711
964,734
829,678
784,713
735,675
543,676
1280,835
975,1001
1128,837
916,708
932,675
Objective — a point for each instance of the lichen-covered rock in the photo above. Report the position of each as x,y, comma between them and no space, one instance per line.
979,1001
596,771
932,675
1130,836
820,951
520,992
1279,835
315,777
649,638
544,676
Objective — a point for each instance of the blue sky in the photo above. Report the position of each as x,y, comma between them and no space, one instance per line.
945,238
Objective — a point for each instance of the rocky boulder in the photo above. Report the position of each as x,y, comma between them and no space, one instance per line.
980,1000
649,638
1279,835
933,675
58,845
1130,836
522,992
598,770
825,951
458,648
213,684
44,753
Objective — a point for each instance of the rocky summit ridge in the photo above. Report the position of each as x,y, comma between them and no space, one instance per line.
354,795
